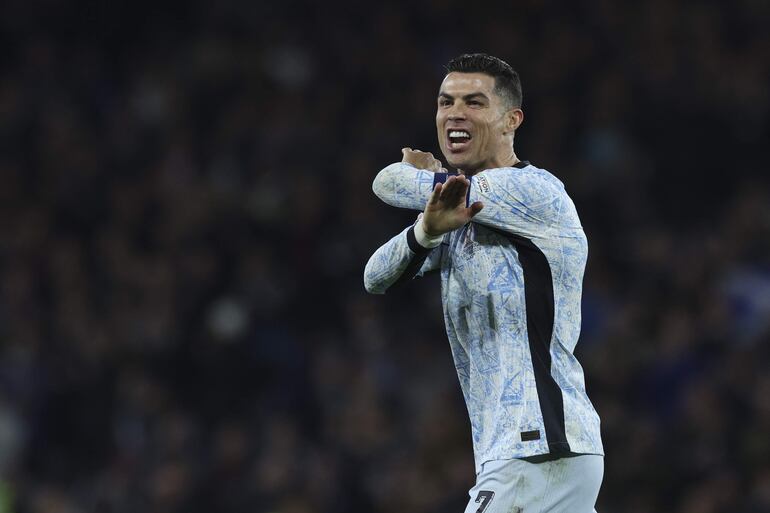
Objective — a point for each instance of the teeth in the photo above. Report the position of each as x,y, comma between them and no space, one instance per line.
458,133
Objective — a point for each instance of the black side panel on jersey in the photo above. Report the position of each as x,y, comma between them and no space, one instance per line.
420,254
538,296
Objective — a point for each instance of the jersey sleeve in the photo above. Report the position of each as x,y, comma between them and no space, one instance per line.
404,186
521,201
399,260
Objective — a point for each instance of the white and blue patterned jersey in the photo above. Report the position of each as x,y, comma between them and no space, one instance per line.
511,284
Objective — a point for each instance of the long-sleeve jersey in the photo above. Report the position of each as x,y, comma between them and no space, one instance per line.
511,284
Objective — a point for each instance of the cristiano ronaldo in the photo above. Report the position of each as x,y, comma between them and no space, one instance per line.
511,251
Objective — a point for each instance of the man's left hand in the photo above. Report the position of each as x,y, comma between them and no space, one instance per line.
446,210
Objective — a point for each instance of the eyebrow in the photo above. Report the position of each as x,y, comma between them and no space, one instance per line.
466,97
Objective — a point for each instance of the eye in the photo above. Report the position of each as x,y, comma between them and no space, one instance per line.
443,102
474,103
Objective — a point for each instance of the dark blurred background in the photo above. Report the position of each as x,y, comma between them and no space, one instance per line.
186,211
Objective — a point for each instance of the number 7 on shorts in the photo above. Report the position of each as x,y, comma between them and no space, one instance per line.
484,497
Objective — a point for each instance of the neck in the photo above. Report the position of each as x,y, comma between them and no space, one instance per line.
508,159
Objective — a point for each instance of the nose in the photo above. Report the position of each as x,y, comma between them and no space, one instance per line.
456,112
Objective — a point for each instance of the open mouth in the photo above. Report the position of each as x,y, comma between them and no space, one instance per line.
458,140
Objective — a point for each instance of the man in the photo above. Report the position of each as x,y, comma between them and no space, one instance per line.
511,251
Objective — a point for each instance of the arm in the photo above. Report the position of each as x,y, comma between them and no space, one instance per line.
524,201
403,185
409,254
518,201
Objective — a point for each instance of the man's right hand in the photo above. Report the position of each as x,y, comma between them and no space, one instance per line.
422,160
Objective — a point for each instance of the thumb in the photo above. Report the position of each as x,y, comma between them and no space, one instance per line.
475,208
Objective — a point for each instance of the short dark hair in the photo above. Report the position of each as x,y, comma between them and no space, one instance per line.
507,82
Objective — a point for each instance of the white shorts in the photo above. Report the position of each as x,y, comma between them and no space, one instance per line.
566,485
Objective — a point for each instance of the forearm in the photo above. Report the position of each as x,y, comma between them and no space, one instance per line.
400,259
404,186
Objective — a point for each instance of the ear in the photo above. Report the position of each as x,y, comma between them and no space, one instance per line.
513,120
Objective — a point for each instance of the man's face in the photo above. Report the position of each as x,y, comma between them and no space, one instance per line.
471,121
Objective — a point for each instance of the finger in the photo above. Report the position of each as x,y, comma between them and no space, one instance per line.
434,196
449,186
475,208
457,192
462,193
454,183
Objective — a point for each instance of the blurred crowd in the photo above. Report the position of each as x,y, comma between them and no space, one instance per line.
186,211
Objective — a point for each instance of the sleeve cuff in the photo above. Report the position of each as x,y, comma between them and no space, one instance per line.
419,241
